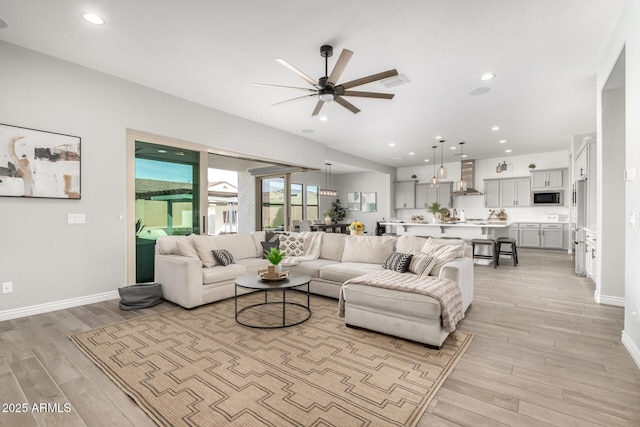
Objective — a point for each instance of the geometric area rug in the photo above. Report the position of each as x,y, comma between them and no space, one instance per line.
200,368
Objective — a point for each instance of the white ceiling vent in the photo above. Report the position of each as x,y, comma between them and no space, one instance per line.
398,80
397,158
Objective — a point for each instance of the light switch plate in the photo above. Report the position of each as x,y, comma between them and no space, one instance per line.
632,218
76,218
630,174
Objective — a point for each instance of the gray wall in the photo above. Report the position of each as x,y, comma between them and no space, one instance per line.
48,260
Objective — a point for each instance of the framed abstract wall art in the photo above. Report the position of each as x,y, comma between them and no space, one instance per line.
35,163
369,202
353,201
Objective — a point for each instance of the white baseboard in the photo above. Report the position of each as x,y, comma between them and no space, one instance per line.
608,300
56,305
632,348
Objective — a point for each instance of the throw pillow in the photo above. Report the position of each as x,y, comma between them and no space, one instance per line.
185,247
442,253
397,261
223,256
292,245
204,246
270,236
422,264
266,247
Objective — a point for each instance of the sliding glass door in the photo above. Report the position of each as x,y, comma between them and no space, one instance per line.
274,212
167,199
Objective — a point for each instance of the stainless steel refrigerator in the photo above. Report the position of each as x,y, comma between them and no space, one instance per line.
578,222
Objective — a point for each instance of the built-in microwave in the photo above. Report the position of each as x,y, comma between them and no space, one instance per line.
546,197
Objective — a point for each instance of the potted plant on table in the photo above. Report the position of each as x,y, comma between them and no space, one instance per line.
337,212
435,208
356,228
274,256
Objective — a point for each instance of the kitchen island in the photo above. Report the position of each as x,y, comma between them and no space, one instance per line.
465,230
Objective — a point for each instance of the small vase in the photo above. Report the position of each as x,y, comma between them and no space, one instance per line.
327,220
278,268
356,232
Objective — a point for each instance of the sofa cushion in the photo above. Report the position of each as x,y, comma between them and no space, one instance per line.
258,237
292,245
184,247
223,256
253,264
368,249
409,244
341,272
310,267
422,264
397,261
221,273
166,245
332,246
240,245
204,246
394,301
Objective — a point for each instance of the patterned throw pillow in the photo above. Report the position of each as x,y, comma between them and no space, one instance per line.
397,261
422,264
292,245
223,256
266,247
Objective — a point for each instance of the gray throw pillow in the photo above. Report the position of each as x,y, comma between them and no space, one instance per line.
223,256
397,261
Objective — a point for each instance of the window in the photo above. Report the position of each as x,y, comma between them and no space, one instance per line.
223,201
273,206
297,202
312,203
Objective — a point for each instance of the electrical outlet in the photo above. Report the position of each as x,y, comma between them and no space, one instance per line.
7,287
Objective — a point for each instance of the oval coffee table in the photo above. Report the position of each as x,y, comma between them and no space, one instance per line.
252,281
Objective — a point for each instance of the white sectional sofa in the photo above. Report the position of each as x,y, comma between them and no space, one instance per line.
190,276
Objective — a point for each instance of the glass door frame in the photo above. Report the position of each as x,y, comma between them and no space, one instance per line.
130,216
287,195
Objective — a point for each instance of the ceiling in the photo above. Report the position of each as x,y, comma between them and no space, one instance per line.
544,53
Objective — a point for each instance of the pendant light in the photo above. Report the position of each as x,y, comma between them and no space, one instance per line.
442,171
434,180
462,184
327,191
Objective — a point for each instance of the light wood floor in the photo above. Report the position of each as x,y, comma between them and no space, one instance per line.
543,354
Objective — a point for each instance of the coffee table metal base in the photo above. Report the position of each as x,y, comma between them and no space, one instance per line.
284,304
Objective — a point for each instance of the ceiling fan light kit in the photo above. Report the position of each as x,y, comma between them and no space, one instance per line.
327,89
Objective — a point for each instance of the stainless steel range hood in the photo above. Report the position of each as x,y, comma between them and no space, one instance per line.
468,174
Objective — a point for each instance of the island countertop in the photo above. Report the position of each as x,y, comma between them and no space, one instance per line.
466,229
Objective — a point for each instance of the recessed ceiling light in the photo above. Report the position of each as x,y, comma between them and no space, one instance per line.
502,141
411,153
495,128
487,76
93,18
452,148
162,151
392,144
426,160
479,91
438,137
179,153
463,156
3,23
323,118
507,151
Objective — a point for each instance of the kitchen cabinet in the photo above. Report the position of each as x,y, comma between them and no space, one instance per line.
590,256
529,235
405,195
425,195
512,192
581,164
545,179
552,236
542,235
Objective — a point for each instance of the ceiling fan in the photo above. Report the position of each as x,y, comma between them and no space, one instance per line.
327,89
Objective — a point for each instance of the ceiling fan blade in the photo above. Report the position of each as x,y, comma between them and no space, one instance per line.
298,72
284,87
293,99
317,109
346,104
368,94
369,79
341,64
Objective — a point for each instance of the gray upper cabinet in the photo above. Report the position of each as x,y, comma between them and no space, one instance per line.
425,195
405,194
551,178
512,192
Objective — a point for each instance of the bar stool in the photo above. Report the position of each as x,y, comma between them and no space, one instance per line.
491,244
511,251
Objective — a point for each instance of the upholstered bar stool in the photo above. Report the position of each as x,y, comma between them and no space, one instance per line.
511,250
491,244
